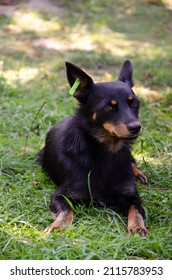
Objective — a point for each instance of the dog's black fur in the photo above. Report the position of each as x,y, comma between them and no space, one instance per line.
96,139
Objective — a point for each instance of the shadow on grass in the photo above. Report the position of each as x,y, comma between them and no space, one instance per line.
152,61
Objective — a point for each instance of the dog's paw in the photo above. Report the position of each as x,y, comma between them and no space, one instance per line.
62,221
139,175
136,222
53,227
49,229
142,231
141,178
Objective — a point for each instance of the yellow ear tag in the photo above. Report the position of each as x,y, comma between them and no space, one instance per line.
74,87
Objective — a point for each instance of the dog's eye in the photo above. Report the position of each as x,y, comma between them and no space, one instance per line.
111,107
108,108
134,104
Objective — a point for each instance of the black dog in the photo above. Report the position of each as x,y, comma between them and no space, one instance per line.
96,140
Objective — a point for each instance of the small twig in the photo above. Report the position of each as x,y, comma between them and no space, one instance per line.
161,189
36,115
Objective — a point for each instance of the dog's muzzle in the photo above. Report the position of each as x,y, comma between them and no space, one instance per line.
134,128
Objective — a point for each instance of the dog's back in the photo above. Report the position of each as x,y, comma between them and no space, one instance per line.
50,157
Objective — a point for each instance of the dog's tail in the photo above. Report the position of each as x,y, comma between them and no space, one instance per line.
40,157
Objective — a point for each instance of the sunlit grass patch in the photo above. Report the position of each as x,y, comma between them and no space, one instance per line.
32,21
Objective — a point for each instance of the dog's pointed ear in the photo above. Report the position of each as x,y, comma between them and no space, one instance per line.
126,73
85,81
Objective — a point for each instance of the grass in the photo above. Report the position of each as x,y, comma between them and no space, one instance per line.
98,36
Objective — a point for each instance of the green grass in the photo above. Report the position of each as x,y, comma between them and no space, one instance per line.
98,36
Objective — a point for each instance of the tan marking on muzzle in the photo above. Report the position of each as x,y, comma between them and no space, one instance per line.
119,130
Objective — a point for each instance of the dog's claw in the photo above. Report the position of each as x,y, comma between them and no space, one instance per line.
141,178
49,229
141,231
61,222
53,227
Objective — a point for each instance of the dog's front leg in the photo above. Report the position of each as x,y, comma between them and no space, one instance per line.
62,213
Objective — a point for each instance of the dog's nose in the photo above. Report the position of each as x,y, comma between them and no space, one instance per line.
134,127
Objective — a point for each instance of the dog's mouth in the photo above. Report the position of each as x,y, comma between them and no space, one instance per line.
127,137
132,136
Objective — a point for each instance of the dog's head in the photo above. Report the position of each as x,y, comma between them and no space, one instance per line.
113,106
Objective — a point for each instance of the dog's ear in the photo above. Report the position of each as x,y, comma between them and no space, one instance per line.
126,73
85,81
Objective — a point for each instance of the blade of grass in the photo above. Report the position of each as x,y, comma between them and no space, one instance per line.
68,201
89,188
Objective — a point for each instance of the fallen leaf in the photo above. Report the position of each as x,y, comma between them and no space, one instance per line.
26,150
35,182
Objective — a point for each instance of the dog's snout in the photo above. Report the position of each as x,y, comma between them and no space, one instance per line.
134,127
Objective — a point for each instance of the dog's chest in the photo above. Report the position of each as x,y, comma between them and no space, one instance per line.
111,174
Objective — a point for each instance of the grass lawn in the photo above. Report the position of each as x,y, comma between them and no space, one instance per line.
97,36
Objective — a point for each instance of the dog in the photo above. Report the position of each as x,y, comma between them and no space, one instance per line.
96,142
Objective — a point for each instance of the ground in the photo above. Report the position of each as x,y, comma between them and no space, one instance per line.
36,38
